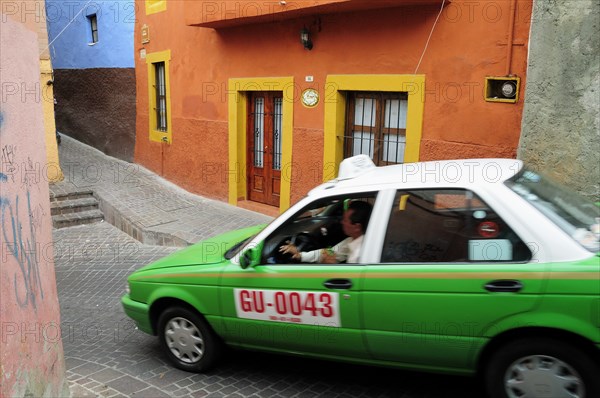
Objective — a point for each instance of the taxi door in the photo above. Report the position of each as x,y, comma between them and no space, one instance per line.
450,271
312,308
302,307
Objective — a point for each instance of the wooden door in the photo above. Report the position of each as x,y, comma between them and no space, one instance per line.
264,147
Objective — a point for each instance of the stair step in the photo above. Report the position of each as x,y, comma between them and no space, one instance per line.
67,206
80,218
70,196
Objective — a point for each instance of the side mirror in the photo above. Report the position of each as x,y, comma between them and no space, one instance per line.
251,256
248,258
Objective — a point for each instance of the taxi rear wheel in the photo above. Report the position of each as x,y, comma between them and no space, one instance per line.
188,340
541,368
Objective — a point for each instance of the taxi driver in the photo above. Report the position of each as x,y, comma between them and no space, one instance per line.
354,224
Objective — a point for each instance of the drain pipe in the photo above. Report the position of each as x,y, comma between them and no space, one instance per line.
511,36
163,142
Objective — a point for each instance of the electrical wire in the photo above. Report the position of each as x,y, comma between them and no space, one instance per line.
67,25
430,34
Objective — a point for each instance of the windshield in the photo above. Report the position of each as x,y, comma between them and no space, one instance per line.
571,212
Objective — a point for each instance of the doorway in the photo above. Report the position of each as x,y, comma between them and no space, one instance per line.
264,139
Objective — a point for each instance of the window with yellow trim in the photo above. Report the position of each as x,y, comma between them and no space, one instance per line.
376,126
154,6
159,100
396,104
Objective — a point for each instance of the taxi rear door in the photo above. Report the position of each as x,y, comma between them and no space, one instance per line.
451,270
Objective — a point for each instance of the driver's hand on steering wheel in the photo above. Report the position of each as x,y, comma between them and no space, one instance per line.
290,248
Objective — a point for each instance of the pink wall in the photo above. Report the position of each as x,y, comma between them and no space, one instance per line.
31,352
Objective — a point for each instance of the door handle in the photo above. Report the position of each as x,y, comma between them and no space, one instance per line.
505,286
338,284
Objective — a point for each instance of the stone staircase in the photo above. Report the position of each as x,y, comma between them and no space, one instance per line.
75,208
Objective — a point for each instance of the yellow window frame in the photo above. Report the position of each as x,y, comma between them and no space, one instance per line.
238,105
335,113
154,133
154,6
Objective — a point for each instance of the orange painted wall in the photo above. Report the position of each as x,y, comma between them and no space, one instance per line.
468,44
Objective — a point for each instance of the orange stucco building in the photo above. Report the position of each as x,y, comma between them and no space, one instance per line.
233,105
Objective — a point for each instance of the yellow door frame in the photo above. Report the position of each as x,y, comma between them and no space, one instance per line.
237,108
335,113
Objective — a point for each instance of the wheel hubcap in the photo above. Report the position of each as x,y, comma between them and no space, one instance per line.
541,376
184,340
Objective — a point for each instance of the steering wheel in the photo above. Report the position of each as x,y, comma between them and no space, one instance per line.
303,242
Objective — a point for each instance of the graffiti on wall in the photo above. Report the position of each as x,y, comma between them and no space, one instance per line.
8,161
19,232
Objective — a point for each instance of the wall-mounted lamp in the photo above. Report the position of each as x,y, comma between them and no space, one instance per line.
305,38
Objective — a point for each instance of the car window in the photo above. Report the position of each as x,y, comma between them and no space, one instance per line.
444,225
316,226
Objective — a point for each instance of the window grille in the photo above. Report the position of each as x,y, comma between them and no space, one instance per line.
277,117
376,126
161,96
259,131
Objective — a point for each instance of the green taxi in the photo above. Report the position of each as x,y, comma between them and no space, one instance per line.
473,267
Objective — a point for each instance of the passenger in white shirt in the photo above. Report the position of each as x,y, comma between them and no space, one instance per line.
354,225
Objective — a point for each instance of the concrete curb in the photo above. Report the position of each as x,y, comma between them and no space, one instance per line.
113,216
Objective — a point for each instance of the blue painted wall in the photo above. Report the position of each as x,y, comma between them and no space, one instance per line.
69,33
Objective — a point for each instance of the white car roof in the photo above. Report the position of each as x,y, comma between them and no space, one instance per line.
443,173
485,177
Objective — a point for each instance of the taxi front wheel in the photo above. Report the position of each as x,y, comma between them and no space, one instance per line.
542,368
188,340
